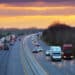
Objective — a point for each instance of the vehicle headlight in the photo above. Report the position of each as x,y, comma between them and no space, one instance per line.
71,56
64,56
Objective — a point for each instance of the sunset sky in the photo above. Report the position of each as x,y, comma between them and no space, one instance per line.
36,13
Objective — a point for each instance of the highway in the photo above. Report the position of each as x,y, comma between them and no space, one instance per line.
19,60
10,63
65,67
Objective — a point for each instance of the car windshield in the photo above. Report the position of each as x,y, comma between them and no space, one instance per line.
68,51
56,54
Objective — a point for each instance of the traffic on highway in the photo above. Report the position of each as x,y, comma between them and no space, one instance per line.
37,37
30,55
55,52
55,60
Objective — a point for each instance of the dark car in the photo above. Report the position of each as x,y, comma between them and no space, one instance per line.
6,47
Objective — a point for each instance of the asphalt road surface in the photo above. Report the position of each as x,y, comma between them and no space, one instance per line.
10,62
65,67
18,60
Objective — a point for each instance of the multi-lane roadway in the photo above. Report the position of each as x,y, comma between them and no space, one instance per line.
65,67
19,60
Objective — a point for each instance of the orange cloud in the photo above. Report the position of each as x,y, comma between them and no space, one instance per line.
10,10
9,7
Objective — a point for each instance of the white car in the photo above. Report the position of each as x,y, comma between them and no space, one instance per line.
47,53
39,49
34,42
37,44
33,38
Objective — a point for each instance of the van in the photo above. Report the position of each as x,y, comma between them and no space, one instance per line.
56,53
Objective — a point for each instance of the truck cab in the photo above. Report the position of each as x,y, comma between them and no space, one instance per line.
67,51
56,53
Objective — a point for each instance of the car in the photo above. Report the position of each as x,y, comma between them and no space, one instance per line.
34,50
7,38
47,52
39,49
33,38
19,39
37,44
33,42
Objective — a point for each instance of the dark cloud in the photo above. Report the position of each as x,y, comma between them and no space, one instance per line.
4,1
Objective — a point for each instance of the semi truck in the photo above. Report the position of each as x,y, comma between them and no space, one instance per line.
67,51
12,39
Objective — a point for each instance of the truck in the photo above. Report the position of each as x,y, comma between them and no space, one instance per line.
7,38
67,51
12,39
4,45
56,53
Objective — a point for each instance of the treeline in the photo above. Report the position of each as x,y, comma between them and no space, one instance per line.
59,34
18,32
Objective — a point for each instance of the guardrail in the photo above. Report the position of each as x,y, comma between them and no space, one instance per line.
32,67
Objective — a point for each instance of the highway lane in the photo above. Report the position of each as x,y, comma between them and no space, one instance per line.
10,62
15,66
4,55
66,67
33,67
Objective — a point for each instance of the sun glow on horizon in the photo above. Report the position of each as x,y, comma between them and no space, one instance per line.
35,16
34,21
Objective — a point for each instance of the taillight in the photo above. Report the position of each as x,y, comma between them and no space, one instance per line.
64,56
